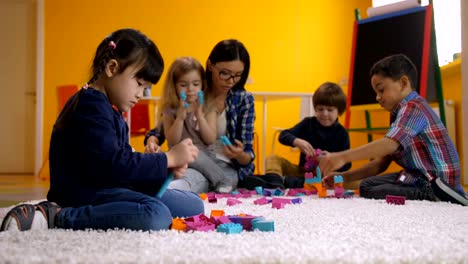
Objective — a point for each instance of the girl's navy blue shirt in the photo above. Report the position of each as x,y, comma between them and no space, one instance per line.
90,151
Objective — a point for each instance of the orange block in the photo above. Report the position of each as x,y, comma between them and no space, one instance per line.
203,196
217,213
178,224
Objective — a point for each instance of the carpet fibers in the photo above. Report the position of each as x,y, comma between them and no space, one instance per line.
352,230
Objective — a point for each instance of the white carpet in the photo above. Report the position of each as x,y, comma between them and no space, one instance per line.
317,231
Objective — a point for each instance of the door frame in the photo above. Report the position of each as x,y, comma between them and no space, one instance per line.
38,159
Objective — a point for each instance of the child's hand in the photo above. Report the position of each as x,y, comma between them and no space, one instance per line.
152,145
182,111
328,181
235,150
198,109
329,162
179,172
181,154
304,146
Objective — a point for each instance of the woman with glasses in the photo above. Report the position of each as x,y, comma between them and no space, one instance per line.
227,70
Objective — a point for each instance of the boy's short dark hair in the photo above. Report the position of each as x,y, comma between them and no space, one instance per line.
394,67
330,94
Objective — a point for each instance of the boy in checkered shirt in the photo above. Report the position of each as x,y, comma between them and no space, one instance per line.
417,140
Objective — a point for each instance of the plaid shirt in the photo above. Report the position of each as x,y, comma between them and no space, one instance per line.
240,117
425,150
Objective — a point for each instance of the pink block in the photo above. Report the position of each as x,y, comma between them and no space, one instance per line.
261,201
339,192
282,200
309,175
232,201
393,199
278,205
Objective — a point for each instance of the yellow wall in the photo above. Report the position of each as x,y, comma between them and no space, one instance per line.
294,45
452,90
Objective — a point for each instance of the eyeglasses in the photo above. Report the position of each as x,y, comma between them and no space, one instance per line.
225,75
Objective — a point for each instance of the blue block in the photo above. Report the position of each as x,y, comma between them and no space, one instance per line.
229,228
278,192
338,179
259,190
163,188
225,141
264,225
201,100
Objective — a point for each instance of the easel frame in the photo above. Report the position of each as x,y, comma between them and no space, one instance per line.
429,62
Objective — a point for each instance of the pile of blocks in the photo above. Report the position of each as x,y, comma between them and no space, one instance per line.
229,224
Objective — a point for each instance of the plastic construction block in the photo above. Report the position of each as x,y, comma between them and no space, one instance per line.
296,192
163,188
230,228
296,200
199,223
259,190
183,96
277,205
217,213
212,197
311,163
318,152
339,192
318,172
244,220
281,200
338,179
261,201
263,225
220,220
278,192
225,141
393,199
200,226
268,192
203,196
197,218
178,224
308,175
232,201
201,100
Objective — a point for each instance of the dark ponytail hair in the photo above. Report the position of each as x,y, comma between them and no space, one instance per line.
128,47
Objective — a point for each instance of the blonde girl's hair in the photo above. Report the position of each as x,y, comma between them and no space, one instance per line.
170,98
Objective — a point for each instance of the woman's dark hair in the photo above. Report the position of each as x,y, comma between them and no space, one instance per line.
229,50
330,94
129,47
394,67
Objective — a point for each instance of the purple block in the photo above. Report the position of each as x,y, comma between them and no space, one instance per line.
296,200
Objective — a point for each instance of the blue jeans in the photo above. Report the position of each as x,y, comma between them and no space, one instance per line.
126,209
